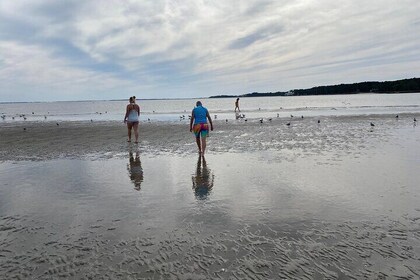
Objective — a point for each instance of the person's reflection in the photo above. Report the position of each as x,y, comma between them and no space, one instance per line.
203,179
135,170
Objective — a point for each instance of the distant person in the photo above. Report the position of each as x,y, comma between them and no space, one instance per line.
132,119
135,170
199,125
203,180
237,105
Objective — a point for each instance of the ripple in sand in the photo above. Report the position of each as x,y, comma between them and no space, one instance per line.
351,250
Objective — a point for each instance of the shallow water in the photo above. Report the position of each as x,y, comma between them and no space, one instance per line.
252,107
343,212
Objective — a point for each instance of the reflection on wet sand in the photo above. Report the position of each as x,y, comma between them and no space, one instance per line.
203,179
135,170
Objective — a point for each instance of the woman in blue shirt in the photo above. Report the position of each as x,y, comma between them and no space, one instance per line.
199,126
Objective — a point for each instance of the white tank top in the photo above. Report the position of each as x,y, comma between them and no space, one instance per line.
133,116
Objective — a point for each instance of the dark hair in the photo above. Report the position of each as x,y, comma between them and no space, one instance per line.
198,103
131,99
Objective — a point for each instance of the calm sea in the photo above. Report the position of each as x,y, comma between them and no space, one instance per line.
252,107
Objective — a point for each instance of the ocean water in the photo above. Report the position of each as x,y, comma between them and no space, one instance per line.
334,200
252,107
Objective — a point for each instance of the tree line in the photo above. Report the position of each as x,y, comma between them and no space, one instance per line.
399,86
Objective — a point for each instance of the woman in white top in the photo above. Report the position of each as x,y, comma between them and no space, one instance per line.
132,119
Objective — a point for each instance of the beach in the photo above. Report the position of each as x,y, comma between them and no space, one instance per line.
334,199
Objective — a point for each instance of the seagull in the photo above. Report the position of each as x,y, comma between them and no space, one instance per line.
372,124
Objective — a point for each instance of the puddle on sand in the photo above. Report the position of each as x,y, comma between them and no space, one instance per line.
246,216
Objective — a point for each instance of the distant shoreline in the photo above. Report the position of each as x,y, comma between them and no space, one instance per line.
387,87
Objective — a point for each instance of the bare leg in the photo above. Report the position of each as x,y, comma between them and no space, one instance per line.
136,131
129,132
197,139
203,145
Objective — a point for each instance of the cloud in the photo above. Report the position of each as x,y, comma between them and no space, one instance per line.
189,48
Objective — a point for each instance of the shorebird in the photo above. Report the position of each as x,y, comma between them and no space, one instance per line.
24,129
291,116
278,115
246,120
261,120
226,120
396,116
372,124
57,124
45,117
270,119
319,121
414,120
215,117
24,118
302,117
288,124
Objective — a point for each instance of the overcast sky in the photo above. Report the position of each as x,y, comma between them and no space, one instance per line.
79,50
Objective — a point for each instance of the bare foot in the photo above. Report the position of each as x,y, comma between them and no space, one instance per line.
128,140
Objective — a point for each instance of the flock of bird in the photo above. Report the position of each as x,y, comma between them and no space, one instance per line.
183,117
261,120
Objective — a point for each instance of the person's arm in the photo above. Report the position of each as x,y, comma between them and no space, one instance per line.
126,113
211,123
191,120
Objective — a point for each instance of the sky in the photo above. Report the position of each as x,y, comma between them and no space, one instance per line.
99,50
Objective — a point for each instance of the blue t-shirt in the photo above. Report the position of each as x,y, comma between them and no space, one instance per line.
200,114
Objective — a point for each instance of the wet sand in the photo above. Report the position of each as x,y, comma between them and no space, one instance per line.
335,200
